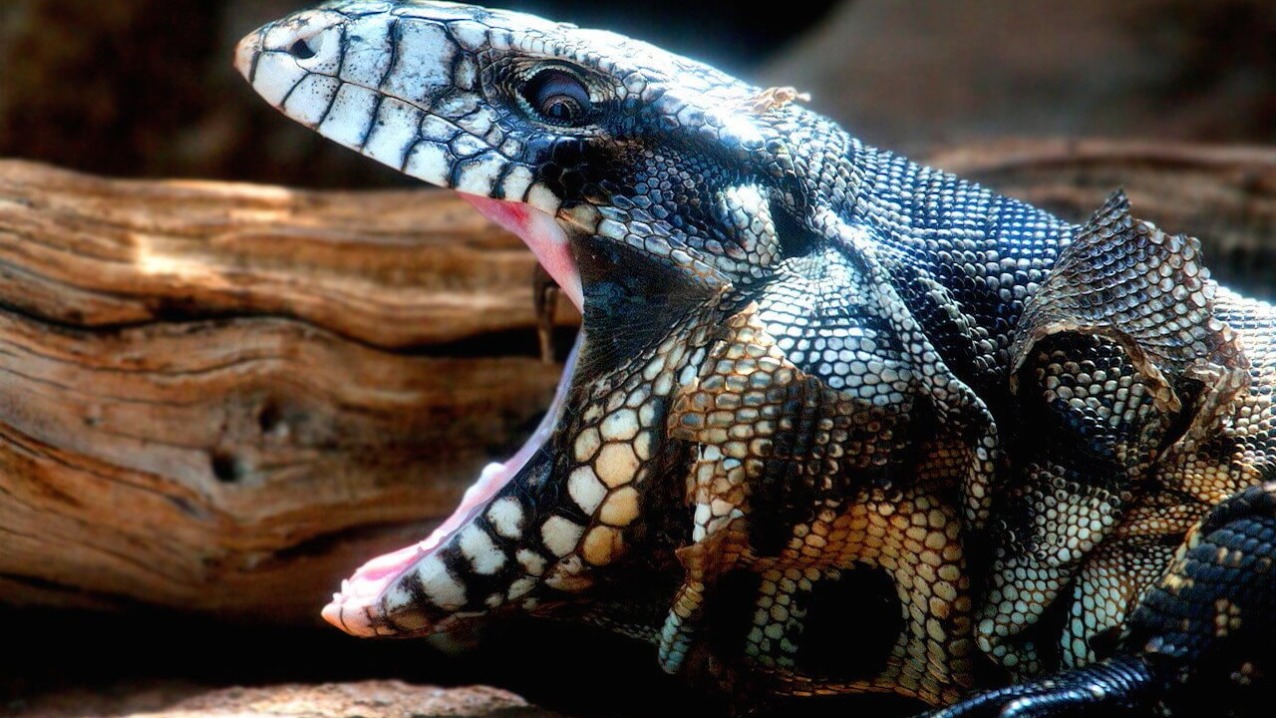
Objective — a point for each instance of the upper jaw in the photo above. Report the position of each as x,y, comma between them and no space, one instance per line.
400,85
330,71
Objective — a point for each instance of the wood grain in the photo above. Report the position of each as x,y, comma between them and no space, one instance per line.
224,397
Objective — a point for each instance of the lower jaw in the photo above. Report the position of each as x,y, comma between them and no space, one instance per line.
357,608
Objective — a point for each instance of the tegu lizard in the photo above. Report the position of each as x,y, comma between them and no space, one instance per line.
810,370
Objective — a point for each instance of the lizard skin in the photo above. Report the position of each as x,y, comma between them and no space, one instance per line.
813,375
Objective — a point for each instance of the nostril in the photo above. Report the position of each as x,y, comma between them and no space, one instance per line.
303,50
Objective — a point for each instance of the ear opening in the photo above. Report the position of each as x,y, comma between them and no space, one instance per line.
796,240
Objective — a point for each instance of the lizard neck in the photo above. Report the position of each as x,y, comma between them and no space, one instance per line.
947,243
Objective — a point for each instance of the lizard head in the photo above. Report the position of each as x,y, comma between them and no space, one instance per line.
595,149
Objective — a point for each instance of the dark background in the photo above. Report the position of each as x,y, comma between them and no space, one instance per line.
144,88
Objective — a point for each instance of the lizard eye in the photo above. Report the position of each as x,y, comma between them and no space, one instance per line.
558,97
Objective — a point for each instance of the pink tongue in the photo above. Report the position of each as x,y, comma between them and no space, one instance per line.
542,235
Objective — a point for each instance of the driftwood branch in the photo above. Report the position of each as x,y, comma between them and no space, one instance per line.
222,398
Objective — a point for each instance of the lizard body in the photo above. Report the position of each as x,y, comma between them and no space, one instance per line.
813,375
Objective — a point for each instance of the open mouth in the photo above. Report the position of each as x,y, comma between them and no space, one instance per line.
328,70
355,608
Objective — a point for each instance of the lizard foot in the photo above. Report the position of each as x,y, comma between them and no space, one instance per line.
1116,687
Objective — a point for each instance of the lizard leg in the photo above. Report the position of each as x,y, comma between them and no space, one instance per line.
1116,574
1121,684
1199,641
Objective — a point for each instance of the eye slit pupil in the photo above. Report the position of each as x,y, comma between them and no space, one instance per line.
301,50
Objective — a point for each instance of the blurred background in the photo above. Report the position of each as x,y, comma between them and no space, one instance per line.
145,88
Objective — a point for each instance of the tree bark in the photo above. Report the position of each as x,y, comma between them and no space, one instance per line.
222,398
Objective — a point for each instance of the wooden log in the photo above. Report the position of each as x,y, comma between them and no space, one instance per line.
222,398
